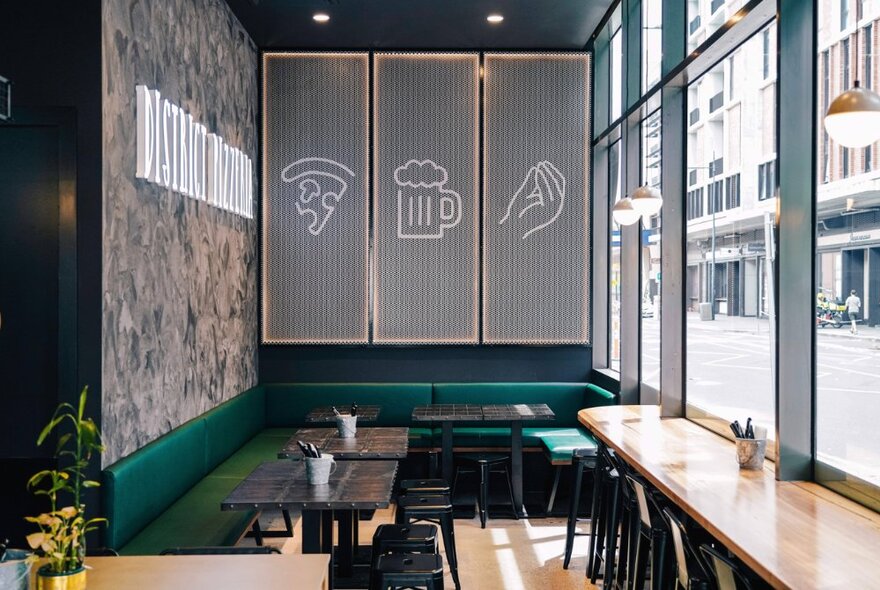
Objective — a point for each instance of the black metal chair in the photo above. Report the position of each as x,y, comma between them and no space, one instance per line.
436,509
691,572
728,575
407,571
648,535
484,464
263,550
581,459
402,538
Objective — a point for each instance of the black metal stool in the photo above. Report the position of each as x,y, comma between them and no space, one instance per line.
728,573
436,509
483,464
424,486
602,509
406,571
580,459
402,538
691,572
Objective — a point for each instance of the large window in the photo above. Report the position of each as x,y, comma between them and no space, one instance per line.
704,17
731,155
651,252
847,266
614,194
616,100
652,42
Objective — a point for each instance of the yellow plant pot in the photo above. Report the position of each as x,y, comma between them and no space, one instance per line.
72,581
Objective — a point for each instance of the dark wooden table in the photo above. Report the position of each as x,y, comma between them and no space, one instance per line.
388,442
515,414
355,485
325,413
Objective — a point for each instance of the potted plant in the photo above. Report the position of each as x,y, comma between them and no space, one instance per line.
61,539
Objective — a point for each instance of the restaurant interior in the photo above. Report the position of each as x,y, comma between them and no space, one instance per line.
519,294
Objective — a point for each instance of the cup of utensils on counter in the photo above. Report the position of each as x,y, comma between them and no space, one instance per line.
319,466
346,424
751,444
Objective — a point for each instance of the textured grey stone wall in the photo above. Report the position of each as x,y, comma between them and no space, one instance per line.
179,276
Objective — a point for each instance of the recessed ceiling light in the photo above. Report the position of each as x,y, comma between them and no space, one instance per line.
494,18
321,17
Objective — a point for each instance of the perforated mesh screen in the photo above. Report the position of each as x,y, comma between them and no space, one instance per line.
536,198
426,141
315,198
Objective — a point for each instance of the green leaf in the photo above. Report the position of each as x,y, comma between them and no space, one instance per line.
62,441
38,477
82,401
89,483
55,421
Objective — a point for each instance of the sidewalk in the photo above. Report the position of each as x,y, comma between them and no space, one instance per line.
737,324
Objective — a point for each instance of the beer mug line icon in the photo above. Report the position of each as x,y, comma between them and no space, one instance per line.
425,207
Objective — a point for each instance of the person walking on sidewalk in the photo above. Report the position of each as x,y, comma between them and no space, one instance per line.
853,305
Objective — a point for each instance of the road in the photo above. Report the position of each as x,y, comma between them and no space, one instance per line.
728,374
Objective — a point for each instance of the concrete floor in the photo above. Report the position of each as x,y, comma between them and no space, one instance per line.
510,554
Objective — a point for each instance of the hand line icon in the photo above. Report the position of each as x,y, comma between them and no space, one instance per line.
539,198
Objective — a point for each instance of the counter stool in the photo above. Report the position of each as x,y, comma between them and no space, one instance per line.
606,487
728,575
436,509
402,538
424,486
580,459
483,463
406,571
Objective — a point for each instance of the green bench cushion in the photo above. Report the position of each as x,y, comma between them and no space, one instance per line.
421,437
565,399
194,520
595,396
561,445
263,447
288,403
140,487
231,424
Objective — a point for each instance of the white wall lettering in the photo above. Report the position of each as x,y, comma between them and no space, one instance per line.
177,152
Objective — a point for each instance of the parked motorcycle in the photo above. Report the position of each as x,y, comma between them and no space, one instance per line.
829,316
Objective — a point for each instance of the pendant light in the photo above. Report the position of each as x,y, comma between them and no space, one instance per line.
853,118
647,201
624,213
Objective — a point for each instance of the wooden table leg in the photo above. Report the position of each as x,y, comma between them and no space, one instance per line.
516,466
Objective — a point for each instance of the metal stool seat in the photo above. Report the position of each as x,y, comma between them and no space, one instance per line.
402,538
436,509
424,486
483,464
405,571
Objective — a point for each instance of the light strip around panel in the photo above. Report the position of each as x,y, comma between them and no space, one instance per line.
266,302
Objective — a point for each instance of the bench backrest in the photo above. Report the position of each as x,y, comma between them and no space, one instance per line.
141,486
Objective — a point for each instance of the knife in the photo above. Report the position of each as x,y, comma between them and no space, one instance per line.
335,411
354,409
749,432
306,451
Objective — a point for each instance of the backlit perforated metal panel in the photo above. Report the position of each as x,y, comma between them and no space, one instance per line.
315,197
426,142
536,198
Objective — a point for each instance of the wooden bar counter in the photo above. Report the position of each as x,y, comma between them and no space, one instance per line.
208,572
795,535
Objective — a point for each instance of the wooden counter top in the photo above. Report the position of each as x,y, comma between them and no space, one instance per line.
795,535
208,572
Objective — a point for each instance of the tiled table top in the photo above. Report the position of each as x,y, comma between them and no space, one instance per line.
325,413
388,442
491,412
355,485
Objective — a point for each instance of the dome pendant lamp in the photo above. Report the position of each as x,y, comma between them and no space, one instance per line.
853,118
647,201
624,213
